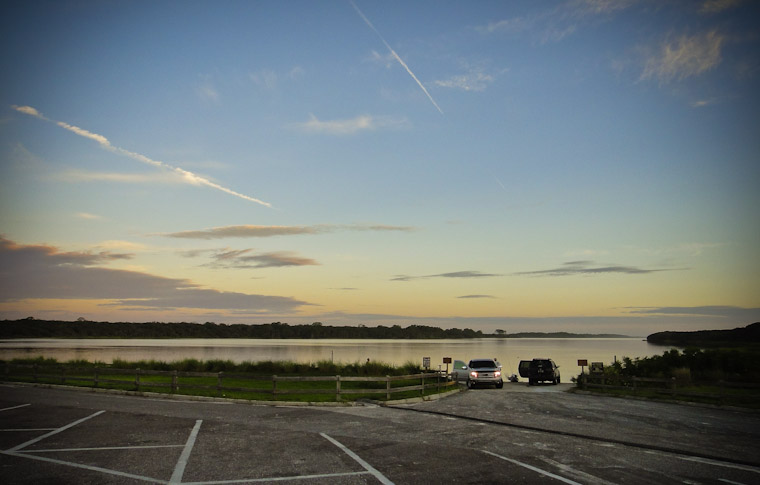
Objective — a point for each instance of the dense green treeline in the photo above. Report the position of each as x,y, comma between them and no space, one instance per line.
31,328
734,364
741,337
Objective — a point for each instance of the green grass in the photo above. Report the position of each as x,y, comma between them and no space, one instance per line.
239,381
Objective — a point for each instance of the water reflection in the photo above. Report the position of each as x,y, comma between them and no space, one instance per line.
565,352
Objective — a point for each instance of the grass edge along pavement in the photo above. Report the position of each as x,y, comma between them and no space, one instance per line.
280,382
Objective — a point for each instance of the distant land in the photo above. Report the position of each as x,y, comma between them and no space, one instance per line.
737,337
33,328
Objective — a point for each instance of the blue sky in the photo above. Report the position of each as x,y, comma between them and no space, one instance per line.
587,166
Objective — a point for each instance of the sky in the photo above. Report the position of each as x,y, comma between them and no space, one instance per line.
585,166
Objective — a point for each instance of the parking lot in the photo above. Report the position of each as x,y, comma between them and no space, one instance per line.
518,434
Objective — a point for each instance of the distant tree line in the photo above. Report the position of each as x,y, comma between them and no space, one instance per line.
32,328
737,337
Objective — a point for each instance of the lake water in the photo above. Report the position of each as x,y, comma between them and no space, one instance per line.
565,352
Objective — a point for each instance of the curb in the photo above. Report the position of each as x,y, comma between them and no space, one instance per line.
184,397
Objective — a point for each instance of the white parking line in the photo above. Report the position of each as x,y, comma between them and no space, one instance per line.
16,430
279,479
720,463
56,431
533,468
179,470
15,407
85,467
358,460
141,447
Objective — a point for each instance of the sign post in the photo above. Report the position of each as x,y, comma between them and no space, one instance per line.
583,363
426,362
447,361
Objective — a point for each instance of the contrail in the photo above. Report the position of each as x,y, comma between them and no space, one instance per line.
400,61
186,176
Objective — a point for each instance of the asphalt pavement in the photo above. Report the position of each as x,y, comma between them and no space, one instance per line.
518,434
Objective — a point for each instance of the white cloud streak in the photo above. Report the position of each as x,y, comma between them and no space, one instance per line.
685,57
185,175
396,56
248,231
349,126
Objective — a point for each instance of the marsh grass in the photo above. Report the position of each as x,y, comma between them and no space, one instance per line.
239,380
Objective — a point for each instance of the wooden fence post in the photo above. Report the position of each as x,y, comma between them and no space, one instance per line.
137,379
95,381
63,374
34,372
337,388
422,384
219,383
174,381
673,386
634,384
274,388
387,388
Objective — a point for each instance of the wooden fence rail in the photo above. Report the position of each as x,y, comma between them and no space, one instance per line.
214,383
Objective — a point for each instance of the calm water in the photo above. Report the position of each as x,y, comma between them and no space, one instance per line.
509,352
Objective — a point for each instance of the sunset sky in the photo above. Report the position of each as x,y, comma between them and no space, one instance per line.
582,166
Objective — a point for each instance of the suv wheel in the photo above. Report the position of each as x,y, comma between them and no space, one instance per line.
469,384
499,384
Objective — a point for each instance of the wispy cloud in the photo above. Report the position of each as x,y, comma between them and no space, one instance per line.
349,126
684,57
185,175
726,311
269,231
43,272
475,80
717,6
246,259
264,78
456,274
396,56
476,297
588,268
88,216
208,92
76,175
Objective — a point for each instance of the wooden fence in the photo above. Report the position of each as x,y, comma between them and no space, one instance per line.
219,383
665,386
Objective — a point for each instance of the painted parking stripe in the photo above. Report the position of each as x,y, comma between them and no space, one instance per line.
56,431
85,467
16,430
279,479
103,448
720,463
179,470
358,460
15,407
533,468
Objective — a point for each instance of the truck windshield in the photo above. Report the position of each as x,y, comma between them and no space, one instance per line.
482,364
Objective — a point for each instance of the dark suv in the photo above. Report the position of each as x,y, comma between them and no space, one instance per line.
539,370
